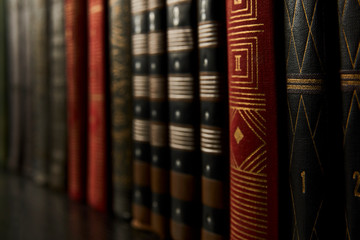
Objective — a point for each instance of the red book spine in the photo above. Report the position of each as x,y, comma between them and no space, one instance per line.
253,122
76,68
97,103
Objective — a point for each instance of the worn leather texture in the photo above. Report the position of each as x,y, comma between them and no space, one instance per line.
349,35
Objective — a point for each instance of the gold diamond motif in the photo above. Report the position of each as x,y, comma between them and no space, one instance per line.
238,135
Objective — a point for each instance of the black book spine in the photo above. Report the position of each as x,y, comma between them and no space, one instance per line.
313,160
349,34
13,7
121,106
213,128
41,91
158,118
185,170
3,88
141,134
28,88
57,91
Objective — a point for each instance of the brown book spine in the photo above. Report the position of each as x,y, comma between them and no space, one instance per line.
76,74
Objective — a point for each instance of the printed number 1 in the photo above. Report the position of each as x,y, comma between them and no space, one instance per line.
303,181
356,176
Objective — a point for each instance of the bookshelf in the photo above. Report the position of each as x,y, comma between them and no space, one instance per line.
29,211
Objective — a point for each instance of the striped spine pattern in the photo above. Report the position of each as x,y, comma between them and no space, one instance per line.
213,108
183,135
141,135
158,117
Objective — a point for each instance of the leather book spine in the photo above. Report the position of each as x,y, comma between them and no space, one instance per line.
121,106
57,90
41,91
185,168
310,175
97,116
214,121
76,74
349,34
13,8
27,76
160,201
253,120
3,89
141,135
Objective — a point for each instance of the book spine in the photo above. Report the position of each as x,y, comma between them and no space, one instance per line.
76,74
141,164
57,90
97,119
253,120
41,92
183,122
349,34
121,106
160,202
27,76
213,109
3,89
307,125
13,16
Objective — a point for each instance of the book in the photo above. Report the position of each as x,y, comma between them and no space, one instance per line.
349,35
98,164
185,168
15,84
121,106
159,148
253,120
28,78
3,88
214,121
76,74
141,136
40,45
57,90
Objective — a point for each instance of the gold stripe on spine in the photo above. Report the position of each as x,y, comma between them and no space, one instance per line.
181,87
158,134
140,86
152,4
208,34
350,76
211,139
180,39
141,130
138,6
139,44
182,137
311,84
157,87
156,43
172,2
210,86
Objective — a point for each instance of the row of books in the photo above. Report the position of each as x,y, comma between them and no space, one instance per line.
196,119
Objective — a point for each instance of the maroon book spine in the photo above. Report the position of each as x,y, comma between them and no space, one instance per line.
97,140
253,120
76,69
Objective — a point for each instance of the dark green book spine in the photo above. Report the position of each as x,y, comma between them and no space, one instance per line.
41,91
185,170
121,106
13,8
27,76
3,87
349,34
160,201
214,112
141,139
57,91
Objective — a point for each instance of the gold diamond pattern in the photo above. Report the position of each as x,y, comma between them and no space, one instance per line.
238,135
